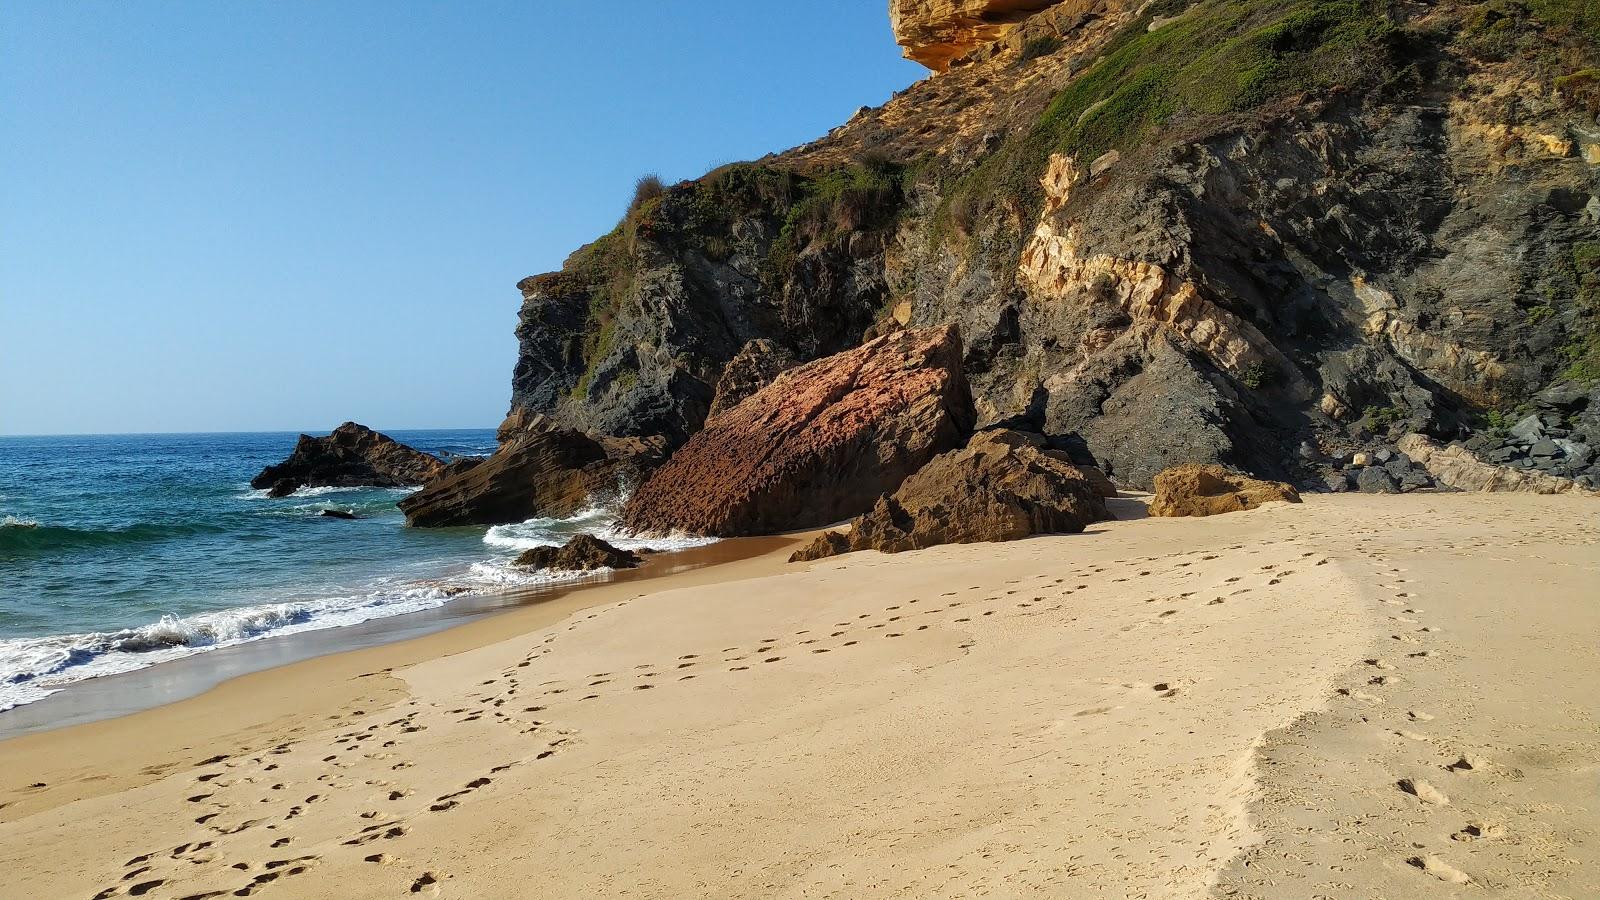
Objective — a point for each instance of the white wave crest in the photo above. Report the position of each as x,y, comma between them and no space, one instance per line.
34,668
599,518
261,493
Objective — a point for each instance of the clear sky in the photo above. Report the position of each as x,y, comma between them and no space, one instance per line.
262,216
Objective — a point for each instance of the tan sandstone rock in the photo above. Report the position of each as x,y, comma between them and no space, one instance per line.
1204,490
819,444
1459,468
1002,486
934,32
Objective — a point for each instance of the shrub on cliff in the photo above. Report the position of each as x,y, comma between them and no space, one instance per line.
647,188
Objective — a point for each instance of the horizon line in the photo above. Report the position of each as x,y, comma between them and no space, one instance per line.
4,435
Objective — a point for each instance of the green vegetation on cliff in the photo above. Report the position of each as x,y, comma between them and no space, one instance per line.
1582,352
1218,57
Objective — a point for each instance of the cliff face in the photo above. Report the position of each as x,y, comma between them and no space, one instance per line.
1237,232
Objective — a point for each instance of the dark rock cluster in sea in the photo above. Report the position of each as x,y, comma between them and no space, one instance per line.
538,472
352,456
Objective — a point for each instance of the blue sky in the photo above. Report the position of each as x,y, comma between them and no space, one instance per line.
263,216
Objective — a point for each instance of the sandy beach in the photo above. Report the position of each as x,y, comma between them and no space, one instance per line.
1357,696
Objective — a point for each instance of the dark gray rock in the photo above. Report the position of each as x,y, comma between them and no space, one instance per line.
1374,480
1544,449
1504,454
1337,482
1398,467
583,553
1563,397
1528,429
755,366
351,456
1415,479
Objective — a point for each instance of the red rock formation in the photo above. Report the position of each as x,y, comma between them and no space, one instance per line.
1002,486
1202,490
819,444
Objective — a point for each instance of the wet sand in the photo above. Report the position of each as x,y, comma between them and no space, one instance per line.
1160,708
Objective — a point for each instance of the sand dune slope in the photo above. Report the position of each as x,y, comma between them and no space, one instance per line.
1155,708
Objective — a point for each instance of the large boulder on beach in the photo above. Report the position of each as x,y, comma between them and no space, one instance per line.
1002,486
583,553
554,472
819,444
1194,489
352,456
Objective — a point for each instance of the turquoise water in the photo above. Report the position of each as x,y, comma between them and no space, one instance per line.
122,551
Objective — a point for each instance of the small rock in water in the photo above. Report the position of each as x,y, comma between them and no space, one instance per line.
580,554
338,514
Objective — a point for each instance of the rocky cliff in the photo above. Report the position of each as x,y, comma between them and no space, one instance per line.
1260,234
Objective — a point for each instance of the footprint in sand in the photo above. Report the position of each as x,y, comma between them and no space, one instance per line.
1439,869
1363,696
1423,791
1479,831
1468,762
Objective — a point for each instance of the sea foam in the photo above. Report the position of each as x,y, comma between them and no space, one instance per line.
34,668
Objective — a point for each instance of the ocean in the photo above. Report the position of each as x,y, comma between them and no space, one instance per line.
119,552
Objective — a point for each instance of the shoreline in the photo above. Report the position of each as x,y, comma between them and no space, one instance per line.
1170,707
119,694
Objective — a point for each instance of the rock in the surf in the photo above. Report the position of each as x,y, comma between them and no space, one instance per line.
552,472
1002,486
1206,490
820,443
583,553
352,456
